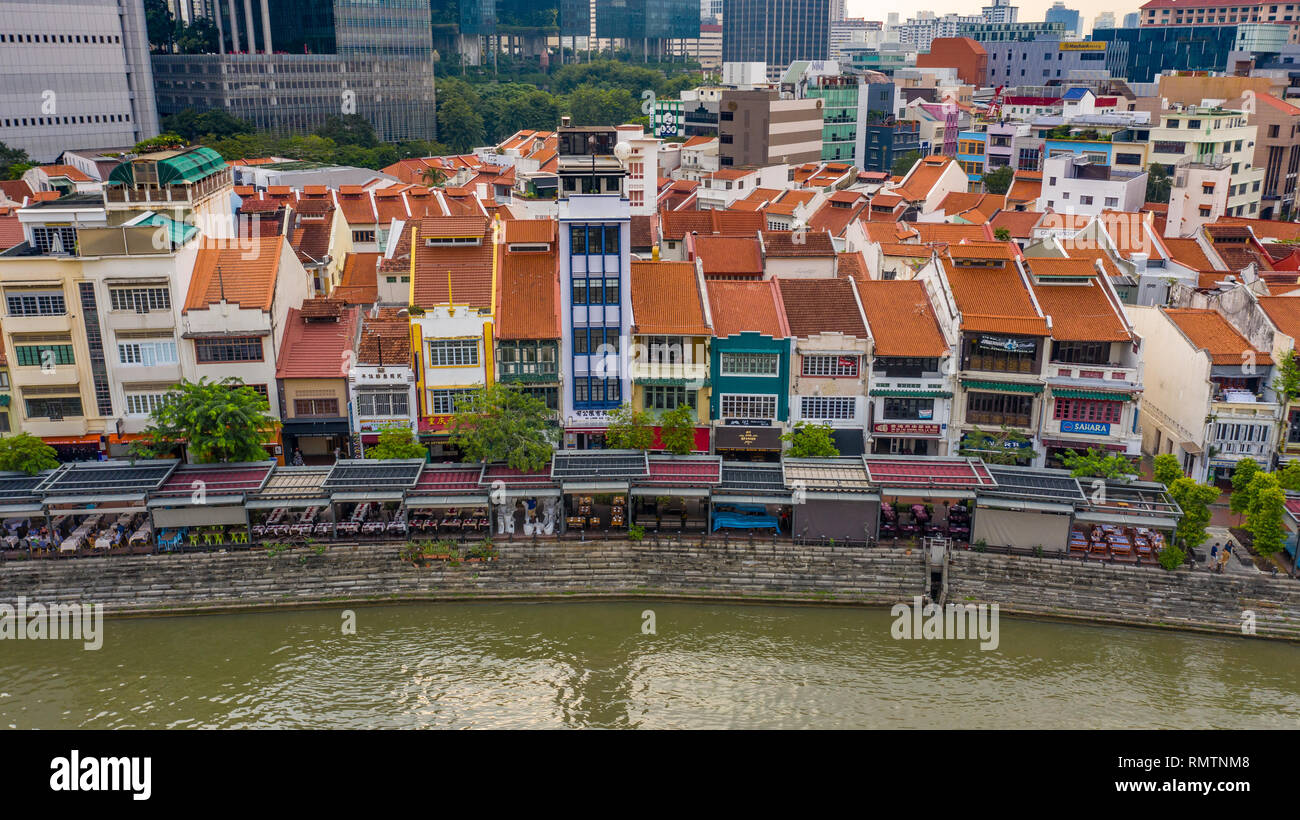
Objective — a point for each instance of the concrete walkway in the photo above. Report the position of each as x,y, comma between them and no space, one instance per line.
1240,563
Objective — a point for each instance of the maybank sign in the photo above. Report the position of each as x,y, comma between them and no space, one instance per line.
1082,45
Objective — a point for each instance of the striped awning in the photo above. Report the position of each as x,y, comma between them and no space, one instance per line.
1006,387
912,394
1096,395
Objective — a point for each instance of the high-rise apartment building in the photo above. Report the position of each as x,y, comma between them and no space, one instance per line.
1104,20
775,32
918,32
1058,13
1001,11
74,74
287,65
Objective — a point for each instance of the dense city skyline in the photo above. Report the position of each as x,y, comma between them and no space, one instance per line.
1029,11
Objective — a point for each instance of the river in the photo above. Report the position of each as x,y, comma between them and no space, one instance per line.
577,664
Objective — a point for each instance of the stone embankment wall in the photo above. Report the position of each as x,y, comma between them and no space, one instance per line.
761,572
1126,594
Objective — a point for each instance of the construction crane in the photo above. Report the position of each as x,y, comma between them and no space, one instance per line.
994,111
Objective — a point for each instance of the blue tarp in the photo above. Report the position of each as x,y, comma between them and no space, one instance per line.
750,522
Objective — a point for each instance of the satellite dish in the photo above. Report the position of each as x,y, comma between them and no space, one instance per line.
622,151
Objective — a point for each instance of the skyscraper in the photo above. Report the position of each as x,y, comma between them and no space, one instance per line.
77,76
776,32
298,62
1001,11
1058,13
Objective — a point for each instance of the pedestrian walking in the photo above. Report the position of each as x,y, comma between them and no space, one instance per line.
1214,555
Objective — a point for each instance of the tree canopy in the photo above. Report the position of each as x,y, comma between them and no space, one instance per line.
221,421
396,441
677,430
1098,464
1194,500
629,429
808,440
503,423
1006,446
998,181
25,453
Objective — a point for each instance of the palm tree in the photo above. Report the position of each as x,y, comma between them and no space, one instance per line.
433,177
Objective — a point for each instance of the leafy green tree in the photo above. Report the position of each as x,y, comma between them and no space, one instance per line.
396,441
159,24
1243,476
1265,518
1006,446
11,158
629,429
351,129
162,142
998,180
592,105
1194,500
502,423
1002,234
1288,478
1098,464
1171,557
25,453
904,163
460,125
219,421
1287,382
1165,468
199,37
809,440
677,430
1159,183
192,124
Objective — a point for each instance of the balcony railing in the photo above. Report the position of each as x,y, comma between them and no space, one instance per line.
998,364
986,419
1108,372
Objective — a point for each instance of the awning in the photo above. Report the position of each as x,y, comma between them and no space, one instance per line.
1095,395
679,492
1127,520
821,495
447,501
925,492
294,503
911,394
1191,447
94,499
188,501
532,492
784,498
366,496
1006,387
315,428
571,488
21,510
1022,505
56,441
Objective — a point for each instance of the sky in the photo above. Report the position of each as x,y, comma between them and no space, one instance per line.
1031,11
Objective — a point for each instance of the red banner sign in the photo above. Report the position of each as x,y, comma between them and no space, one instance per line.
905,429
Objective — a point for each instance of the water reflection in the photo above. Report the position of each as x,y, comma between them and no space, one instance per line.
576,665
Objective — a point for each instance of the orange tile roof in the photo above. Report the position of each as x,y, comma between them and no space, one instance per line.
357,207
1211,332
1132,233
836,213
1024,188
468,268
1058,221
993,299
666,299
1050,266
530,231
729,255
529,296
902,320
11,230
1081,313
314,349
914,251
359,284
787,244
1265,229
949,232
983,250
387,337
74,174
852,265
746,306
1284,312
247,273
1188,252
1020,224
923,176
1095,254
697,141
676,224
815,306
